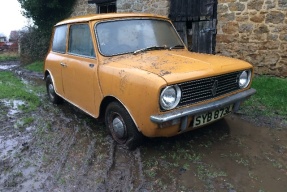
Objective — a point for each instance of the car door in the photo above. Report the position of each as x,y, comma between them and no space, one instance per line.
79,70
56,57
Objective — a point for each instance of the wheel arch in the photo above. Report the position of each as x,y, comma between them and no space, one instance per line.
46,74
109,99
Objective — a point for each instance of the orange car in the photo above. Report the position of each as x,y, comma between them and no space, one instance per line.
135,71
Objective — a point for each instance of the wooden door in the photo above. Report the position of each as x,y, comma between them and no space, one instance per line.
203,36
195,20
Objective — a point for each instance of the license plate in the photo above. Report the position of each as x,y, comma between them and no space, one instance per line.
211,116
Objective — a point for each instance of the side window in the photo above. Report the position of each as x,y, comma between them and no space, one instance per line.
80,40
59,40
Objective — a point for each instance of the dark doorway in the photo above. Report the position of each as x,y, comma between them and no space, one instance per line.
195,21
105,6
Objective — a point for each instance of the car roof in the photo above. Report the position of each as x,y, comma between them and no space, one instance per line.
91,17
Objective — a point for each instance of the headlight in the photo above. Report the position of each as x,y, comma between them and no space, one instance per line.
244,79
170,97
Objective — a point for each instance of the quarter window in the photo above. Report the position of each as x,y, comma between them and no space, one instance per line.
80,41
59,41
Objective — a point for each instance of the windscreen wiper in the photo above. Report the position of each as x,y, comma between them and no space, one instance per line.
150,48
176,47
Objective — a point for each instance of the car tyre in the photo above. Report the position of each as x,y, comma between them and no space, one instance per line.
53,97
121,126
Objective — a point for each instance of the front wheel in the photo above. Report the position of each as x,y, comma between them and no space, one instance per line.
53,97
121,126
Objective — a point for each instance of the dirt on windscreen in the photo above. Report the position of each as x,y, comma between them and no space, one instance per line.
59,148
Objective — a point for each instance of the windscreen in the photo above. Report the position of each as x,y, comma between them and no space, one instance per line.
128,36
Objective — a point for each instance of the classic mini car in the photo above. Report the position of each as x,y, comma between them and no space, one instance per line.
134,71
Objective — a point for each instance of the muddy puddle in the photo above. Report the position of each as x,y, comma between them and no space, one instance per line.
13,106
63,149
9,65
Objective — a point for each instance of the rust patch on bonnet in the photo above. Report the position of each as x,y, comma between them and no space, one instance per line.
123,81
164,72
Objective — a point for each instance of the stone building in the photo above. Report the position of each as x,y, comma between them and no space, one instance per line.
252,30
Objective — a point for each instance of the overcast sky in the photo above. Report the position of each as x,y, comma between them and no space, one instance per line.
10,17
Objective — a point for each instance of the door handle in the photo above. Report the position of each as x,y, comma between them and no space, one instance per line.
63,64
91,65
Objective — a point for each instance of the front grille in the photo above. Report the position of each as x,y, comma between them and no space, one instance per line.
208,88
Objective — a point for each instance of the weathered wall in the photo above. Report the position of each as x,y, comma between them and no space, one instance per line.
83,8
160,7
255,31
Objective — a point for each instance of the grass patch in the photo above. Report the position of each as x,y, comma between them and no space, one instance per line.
13,88
36,66
9,56
271,96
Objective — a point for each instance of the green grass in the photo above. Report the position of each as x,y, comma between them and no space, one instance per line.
9,56
271,96
36,66
13,88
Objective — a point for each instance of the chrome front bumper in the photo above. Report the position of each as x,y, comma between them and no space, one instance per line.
183,114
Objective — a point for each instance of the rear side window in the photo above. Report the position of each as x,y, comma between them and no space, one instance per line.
59,41
80,40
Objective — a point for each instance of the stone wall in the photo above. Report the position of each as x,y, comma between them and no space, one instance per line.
255,31
83,8
160,7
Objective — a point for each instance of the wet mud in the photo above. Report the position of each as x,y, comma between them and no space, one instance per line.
63,149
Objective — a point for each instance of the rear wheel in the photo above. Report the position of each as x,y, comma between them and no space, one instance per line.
121,126
53,97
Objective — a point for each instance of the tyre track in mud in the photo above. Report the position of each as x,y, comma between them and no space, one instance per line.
126,173
119,170
111,157
93,170
120,174
137,156
64,157
85,167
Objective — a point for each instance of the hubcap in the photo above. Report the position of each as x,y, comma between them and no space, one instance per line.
118,127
